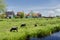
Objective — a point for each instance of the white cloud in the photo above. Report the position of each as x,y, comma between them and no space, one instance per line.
57,10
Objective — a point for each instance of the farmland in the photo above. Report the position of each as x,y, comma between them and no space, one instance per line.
44,28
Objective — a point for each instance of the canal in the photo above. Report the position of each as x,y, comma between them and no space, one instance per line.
55,36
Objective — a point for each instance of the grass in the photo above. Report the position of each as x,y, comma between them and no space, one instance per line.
45,27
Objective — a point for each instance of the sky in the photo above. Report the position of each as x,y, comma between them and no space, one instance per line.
45,7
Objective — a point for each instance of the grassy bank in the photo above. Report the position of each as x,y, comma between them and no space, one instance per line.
45,27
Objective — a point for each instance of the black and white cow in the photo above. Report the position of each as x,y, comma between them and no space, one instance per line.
23,25
14,29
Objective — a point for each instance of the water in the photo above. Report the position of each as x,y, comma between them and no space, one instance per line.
55,36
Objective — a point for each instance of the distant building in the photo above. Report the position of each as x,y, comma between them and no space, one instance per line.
27,15
10,14
18,13
36,15
30,14
39,15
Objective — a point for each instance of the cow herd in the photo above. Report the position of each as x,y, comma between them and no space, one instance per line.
22,25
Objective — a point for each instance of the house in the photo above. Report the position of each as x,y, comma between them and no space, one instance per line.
36,15
33,15
20,14
39,15
10,14
27,15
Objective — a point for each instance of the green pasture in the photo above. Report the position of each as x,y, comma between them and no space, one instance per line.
44,28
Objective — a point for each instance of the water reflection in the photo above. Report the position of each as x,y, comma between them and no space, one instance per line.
55,36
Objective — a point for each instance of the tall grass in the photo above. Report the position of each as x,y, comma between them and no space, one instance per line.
44,28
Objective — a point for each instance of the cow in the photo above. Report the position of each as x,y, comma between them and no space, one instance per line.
23,25
14,29
35,25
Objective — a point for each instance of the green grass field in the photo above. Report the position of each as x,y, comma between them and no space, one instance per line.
45,27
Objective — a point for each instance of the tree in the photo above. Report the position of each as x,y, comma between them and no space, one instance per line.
2,15
2,6
57,16
22,15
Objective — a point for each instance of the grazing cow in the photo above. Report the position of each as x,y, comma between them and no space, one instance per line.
23,25
13,29
35,25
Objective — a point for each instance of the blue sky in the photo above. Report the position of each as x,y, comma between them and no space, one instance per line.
45,7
